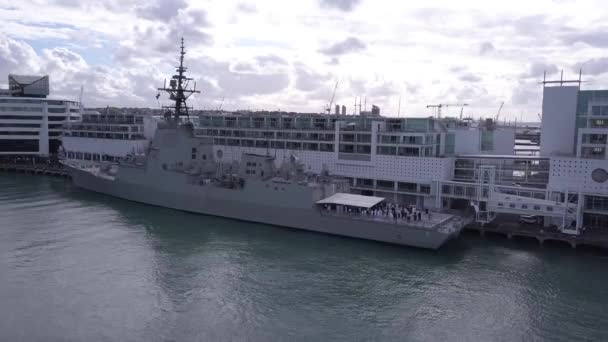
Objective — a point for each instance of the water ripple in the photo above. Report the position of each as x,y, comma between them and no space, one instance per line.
81,266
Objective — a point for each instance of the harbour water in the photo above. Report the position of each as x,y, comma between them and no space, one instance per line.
85,267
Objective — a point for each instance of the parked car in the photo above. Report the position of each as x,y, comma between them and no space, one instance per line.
529,219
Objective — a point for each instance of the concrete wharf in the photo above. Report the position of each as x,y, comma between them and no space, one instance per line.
542,234
38,169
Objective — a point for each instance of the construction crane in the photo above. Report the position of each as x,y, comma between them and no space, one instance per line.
498,112
219,108
442,105
331,102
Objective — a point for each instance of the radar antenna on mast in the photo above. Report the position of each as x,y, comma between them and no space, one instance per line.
178,91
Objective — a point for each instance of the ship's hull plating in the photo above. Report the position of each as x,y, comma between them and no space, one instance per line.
206,202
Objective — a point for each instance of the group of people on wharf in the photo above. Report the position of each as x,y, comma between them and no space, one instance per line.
384,210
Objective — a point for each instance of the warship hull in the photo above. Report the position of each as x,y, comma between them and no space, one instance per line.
251,207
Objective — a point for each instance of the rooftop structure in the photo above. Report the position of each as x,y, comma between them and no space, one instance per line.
28,86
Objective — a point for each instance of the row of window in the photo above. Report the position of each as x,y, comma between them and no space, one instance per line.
599,110
20,125
595,221
21,109
405,151
596,203
361,138
325,147
96,119
593,152
56,118
406,139
79,127
595,138
259,122
390,186
360,149
344,137
100,135
19,145
525,206
91,156
269,135
20,117
19,133
289,145
598,123
50,102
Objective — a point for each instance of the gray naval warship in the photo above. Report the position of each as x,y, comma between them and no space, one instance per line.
180,171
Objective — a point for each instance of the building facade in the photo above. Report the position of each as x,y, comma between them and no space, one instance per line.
107,137
30,123
398,158
574,137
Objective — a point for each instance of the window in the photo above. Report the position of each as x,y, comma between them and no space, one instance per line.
19,133
20,125
20,117
599,111
487,140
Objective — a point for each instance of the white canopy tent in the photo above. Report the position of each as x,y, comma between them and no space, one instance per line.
352,200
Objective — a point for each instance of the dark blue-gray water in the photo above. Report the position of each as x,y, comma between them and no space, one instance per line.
78,266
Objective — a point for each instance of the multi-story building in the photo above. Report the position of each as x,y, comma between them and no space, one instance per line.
446,163
30,123
574,136
398,157
107,136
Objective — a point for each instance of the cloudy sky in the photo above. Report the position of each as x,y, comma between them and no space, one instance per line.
289,55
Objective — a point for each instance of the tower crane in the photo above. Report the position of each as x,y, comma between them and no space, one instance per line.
333,97
442,105
498,112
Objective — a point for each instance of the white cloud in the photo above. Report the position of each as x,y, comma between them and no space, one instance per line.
284,54
343,5
349,45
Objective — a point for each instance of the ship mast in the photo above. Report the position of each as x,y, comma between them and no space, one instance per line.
178,91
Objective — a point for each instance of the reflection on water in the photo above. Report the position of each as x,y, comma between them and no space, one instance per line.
82,266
